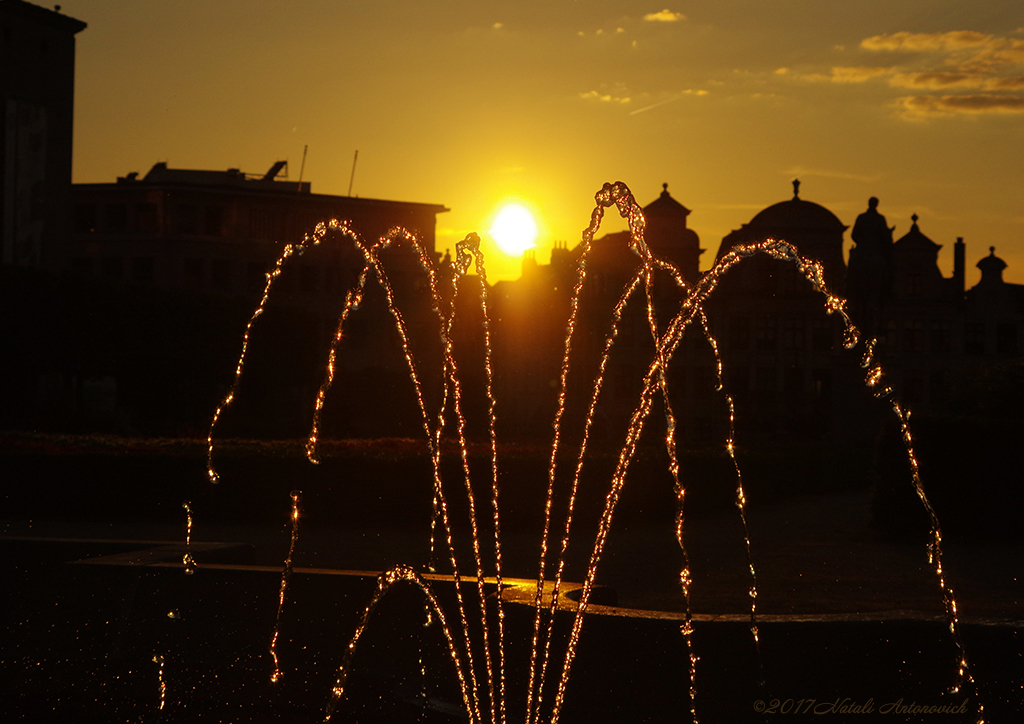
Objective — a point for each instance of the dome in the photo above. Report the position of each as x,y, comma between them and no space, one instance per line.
797,214
814,230
991,268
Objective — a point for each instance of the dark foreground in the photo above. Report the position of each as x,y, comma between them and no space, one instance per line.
82,641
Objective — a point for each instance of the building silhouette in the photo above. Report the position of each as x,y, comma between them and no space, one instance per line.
783,357
220,232
37,88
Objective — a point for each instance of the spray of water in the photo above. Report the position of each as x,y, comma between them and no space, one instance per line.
286,575
655,386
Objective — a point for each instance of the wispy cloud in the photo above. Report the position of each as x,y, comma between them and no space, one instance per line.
664,16
937,79
947,62
1015,82
927,41
603,97
923,107
965,50
856,74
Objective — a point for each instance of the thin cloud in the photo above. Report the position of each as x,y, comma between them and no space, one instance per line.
927,41
664,16
921,107
966,50
937,79
603,97
1007,83
856,74
964,60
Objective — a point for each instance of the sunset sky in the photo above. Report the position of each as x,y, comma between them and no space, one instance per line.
472,103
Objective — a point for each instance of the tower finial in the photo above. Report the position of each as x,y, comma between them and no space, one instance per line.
796,188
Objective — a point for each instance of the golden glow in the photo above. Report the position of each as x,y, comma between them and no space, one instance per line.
544,678
514,229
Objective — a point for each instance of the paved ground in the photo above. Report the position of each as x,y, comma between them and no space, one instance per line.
812,555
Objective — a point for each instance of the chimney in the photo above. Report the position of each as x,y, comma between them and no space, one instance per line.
959,265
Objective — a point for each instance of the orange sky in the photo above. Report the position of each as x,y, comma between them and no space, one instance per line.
469,103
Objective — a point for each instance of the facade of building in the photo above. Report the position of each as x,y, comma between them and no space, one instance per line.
220,231
782,354
37,89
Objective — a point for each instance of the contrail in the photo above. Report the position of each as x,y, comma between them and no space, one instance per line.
655,105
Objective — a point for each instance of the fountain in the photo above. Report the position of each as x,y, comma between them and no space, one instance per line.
187,631
476,634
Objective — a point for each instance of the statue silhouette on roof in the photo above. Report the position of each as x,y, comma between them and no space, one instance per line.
871,231
870,276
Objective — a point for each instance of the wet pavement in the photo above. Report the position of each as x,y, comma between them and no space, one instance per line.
813,556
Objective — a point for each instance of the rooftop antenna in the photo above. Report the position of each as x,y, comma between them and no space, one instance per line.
353,176
302,168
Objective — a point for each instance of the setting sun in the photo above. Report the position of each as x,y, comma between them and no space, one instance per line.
514,229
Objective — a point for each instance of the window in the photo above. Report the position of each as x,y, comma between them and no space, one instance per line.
913,337
85,218
913,387
974,338
82,265
765,334
793,333
186,219
147,220
192,273
213,223
939,337
115,217
737,380
739,333
822,384
914,282
937,385
765,379
704,383
1006,338
821,335
220,274
793,380
255,277
143,270
112,267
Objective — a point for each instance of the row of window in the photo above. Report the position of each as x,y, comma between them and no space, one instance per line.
933,337
194,273
216,275
262,223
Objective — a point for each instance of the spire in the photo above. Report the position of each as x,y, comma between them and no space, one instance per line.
796,189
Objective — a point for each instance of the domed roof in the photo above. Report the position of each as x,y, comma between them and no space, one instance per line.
991,264
797,214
